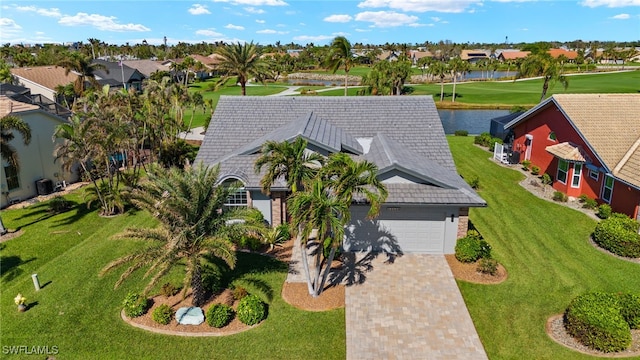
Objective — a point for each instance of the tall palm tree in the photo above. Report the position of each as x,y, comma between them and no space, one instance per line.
288,160
242,61
439,69
340,56
456,66
545,66
193,227
9,124
85,69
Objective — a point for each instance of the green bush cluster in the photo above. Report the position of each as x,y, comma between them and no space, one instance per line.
604,211
488,266
560,196
472,247
474,182
250,242
134,305
239,292
162,314
461,133
535,170
251,310
526,164
485,139
619,235
599,320
59,204
219,315
587,202
546,179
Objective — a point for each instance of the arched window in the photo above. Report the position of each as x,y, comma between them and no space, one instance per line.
239,198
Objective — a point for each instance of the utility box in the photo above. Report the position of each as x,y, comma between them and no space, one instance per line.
44,186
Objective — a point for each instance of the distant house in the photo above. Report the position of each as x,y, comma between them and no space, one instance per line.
39,172
428,203
588,143
417,55
43,80
473,56
388,56
512,55
146,67
569,54
117,75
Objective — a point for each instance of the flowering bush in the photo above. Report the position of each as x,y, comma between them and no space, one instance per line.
20,300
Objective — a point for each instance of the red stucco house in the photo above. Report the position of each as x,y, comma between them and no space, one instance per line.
588,143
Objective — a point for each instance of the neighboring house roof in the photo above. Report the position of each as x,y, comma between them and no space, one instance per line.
474,54
116,72
420,54
146,67
10,106
609,124
47,76
555,53
513,55
396,133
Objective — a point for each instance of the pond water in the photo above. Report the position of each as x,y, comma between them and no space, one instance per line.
477,74
474,121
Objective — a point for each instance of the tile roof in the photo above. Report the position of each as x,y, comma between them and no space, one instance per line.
609,123
406,130
512,55
555,53
146,67
47,76
10,106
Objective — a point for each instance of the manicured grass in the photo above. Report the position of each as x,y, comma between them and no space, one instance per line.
546,251
78,311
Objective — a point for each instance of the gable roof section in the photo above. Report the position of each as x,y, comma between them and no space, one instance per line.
47,76
146,67
116,72
609,124
312,128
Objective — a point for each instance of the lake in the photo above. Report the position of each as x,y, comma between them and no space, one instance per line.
474,121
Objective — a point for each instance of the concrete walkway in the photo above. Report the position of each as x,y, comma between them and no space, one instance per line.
411,309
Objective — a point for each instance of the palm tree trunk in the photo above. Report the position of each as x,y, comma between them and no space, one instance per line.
327,270
346,82
199,295
441,89
305,264
545,87
453,99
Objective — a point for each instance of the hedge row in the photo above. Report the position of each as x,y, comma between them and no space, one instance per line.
618,234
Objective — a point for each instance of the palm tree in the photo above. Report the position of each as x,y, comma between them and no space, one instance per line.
85,69
340,57
324,206
288,160
545,66
439,69
193,227
242,61
8,124
456,65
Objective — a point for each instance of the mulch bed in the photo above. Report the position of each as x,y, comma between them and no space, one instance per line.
468,272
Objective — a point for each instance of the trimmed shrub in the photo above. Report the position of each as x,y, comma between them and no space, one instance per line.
546,179
58,204
483,139
162,314
474,182
488,266
619,235
560,196
535,170
219,315
525,165
168,290
461,133
595,320
582,198
493,142
604,211
630,309
135,305
251,310
590,203
471,248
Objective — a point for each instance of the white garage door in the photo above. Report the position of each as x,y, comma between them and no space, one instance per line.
408,229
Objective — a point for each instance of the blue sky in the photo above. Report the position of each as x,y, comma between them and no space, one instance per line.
303,22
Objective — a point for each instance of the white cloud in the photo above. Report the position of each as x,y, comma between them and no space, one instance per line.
9,24
51,12
621,17
610,3
309,38
271,31
234,27
384,19
9,29
198,9
338,18
100,22
446,6
255,2
363,30
208,32
417,25
253,10
435,18
260,21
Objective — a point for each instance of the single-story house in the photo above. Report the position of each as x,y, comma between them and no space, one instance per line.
513,55
473,56
428,203
43,80
117,74
39,173
588,143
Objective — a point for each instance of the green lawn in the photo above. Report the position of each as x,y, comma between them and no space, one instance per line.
78,312
546,251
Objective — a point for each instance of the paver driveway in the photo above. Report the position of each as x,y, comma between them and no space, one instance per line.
411,309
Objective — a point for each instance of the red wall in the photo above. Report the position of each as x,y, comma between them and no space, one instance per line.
625,199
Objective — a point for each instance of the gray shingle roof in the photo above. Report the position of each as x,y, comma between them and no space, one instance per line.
406,130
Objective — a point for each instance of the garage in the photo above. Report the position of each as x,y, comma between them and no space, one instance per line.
406,229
